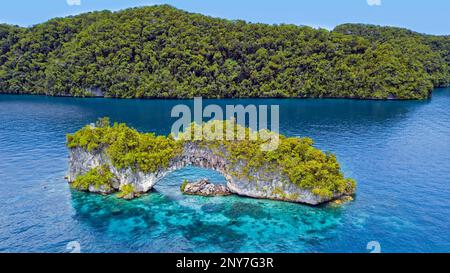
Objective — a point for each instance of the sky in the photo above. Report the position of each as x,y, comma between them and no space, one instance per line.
426,16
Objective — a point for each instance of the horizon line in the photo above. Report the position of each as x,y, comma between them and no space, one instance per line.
328,28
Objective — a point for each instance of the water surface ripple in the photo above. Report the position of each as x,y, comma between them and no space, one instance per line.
397,151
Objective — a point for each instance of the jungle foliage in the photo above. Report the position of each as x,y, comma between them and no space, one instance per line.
126,190
380,34
304,165
125,146
99,177
163,52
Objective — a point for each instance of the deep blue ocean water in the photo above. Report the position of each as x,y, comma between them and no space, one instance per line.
398,151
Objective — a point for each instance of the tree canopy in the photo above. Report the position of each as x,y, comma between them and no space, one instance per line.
440,45
296,158
163,52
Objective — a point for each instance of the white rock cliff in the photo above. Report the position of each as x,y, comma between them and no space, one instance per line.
260,183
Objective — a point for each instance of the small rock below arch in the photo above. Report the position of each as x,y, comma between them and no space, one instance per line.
204,188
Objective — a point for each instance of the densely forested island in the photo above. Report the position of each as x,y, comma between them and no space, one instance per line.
105,159
163,52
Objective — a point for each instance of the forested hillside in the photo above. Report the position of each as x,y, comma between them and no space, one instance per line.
380,34
163,52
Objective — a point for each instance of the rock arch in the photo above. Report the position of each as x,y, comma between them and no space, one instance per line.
196,156
81,161
268,185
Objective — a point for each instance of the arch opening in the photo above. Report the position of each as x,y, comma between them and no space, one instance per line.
169,185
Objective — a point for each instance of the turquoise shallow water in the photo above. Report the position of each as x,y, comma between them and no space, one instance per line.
397,151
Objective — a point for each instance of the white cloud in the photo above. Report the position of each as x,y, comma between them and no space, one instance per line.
73,2
374,2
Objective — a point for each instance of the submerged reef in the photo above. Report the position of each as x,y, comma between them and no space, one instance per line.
106,159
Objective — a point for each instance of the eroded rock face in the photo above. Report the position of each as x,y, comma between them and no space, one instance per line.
205,188
81,161
261,183
101,190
